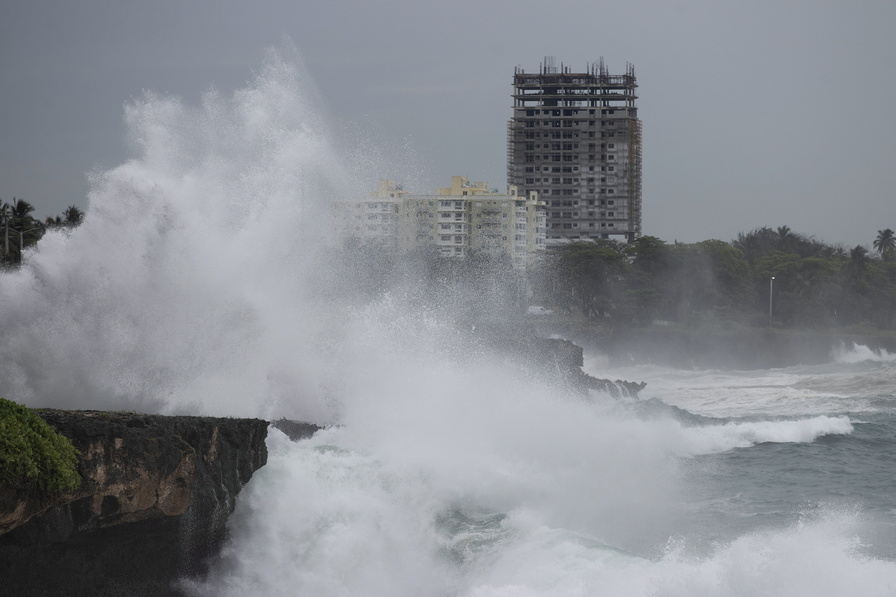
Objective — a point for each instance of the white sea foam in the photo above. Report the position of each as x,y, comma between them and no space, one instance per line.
720,438
859,353
325,520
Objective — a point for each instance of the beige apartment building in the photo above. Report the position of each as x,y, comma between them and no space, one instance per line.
575,138
465,217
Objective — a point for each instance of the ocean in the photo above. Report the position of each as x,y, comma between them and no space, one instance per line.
201,282
715,483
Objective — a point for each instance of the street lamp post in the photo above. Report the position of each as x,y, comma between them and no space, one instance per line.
22,239
4,213
771,285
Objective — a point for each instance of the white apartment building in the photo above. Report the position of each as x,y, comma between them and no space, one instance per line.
464,217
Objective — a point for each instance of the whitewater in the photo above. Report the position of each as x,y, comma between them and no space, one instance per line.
200,282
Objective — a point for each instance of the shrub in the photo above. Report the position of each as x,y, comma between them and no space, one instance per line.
33,453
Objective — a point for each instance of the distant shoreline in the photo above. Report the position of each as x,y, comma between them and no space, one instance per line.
734,348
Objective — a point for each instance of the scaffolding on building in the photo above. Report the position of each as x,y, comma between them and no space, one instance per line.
576,138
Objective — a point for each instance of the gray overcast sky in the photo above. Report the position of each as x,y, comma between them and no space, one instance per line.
768,112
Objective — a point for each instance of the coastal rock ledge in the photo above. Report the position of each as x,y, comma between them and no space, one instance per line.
153,504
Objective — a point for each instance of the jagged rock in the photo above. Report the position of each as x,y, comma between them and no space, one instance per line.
155,495
295,430
555,359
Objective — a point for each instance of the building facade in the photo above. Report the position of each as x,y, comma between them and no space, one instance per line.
465,217
575,139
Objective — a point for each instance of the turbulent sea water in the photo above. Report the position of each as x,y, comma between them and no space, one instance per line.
717,483
199,283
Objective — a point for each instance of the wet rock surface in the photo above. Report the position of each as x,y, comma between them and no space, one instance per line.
555,360
152,507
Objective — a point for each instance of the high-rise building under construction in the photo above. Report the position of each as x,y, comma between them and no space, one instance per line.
575,138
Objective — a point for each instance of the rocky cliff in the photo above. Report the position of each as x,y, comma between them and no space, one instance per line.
153,504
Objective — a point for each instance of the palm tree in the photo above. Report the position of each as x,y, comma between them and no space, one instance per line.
785,237
885,243
73,216
21,209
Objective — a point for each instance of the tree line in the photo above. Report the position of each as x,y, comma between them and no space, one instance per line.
764,277
19,229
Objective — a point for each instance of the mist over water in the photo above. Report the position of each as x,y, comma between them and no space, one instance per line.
201,282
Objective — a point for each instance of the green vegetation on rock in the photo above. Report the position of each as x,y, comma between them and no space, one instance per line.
33,453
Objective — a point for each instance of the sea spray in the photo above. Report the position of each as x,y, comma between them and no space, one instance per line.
186,289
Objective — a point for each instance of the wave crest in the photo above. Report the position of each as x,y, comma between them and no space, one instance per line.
860,353
721,438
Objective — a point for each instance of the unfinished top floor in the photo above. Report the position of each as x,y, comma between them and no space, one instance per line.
559,86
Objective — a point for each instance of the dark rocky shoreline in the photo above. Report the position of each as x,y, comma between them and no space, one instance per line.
152,507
